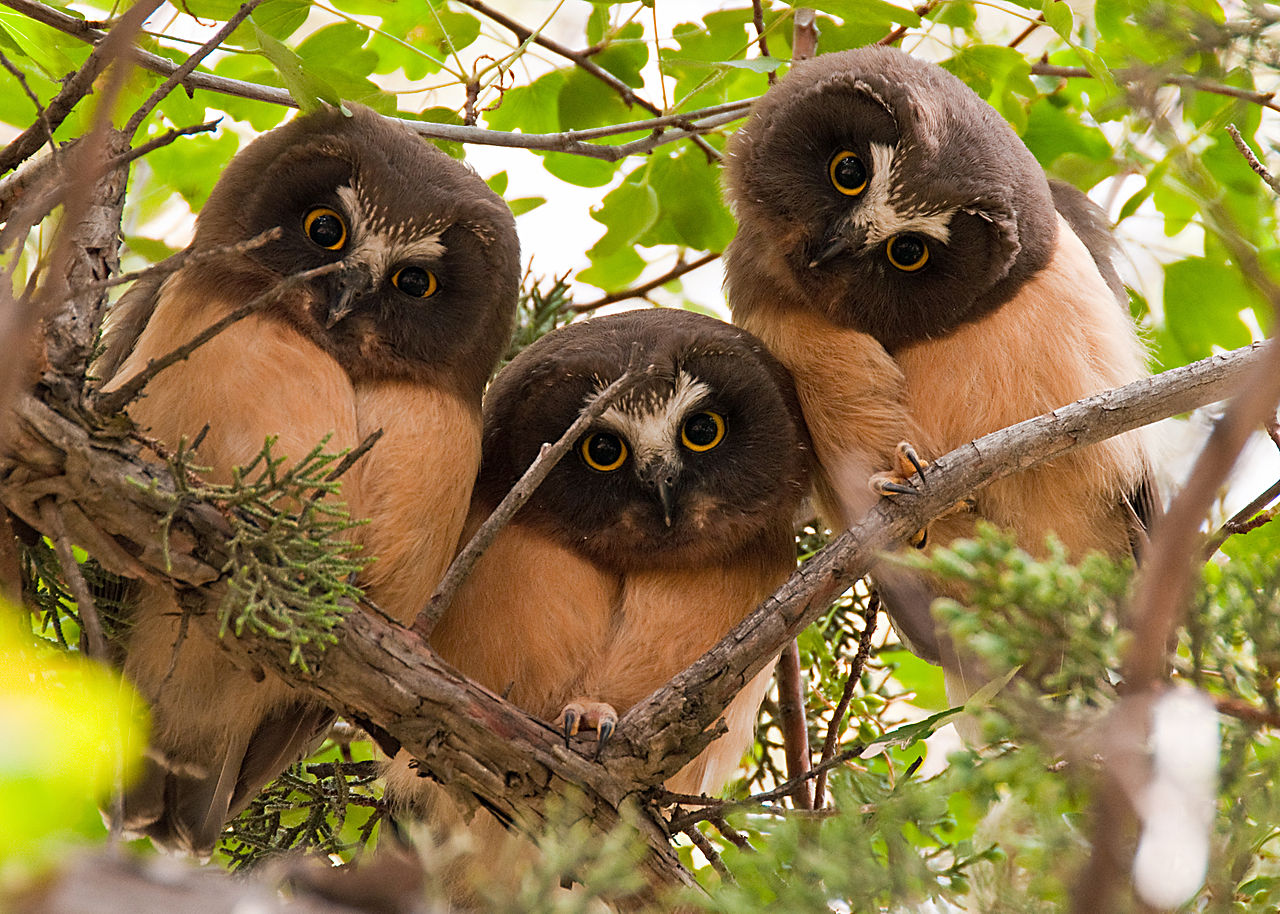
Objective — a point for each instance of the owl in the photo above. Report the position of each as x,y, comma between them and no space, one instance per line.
669,521
901,251
400,335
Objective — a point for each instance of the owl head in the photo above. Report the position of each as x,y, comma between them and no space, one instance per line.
426,259
883,191
705,456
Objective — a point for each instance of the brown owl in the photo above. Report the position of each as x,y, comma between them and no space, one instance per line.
401,336
667,523
902,253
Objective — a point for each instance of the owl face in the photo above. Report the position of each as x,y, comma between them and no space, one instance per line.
701,458
884,191
427,261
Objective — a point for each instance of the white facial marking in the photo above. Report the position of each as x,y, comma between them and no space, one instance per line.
377,242
651,427
876,212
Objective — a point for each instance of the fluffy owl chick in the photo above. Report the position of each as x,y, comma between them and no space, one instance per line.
400,335
896,239
667,523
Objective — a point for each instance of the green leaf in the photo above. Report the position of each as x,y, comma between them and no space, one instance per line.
1202,305
1058,16
530,109
579,170
693,213
878,11
615,272
307,90
521,205
626,212
280,18
625,55
498,183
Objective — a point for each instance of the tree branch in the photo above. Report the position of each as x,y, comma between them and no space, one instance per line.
1137,75
665,730
870,617
643,290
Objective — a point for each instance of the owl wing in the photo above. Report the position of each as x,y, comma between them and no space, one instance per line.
124,324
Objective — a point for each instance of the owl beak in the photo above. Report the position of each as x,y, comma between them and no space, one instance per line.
841,239
660,477
352,282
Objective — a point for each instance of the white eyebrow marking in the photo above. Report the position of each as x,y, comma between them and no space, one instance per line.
380,244
876,212
651,427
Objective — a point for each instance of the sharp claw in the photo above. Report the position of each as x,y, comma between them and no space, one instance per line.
885,487
914,459
570,725
603,732
921,539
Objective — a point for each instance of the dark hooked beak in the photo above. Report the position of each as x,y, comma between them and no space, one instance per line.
353,280
660,477
843,237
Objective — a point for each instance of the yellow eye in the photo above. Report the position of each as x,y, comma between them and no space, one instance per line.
702,431
907,252
415,282
326,228
848,173
603,451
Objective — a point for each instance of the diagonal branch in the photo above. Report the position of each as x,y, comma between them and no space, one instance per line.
522,491
661,733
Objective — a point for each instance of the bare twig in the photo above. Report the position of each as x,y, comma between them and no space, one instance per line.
1138,75
521,492
731,834
795,727
164,139
896,34
1250,714
870,616
757,19
1243,520
1259,169
186,257
176,78
86,609
702,843
115,400
77,85
1028,31
643,290
804,34
710,807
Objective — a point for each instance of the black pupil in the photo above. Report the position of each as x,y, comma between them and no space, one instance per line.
850,172
604,449
908,250
326,230
413,281
701,429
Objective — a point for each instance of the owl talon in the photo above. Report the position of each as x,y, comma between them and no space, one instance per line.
603,732
570,718
906,454
889,487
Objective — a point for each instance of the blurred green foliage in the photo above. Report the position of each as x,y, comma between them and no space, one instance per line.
1128,100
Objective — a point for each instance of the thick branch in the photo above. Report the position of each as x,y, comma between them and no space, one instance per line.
662,732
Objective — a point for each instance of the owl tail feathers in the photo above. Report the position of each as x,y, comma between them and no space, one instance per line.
184,809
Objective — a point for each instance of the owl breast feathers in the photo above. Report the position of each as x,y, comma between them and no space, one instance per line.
667,523
900,250
384,277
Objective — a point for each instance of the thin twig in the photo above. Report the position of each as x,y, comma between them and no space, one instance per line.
795,726
731,834
1243,710
77,85
41,114
1259,169
1137,75
521,492
703,843
1028,31
870,616
86,609
1242,521
115,400
186,257
896,34
757,19
643,290
164,139
804,34
176,78
711,807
